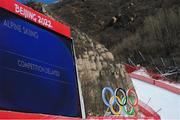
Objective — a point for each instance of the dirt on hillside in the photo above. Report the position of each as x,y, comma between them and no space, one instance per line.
145,32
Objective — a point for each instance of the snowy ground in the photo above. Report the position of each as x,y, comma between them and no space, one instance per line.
167,103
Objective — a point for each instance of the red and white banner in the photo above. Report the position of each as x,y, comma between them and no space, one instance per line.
36,17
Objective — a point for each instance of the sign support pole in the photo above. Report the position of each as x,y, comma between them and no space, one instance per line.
83,113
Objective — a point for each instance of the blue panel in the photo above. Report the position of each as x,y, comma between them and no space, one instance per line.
37,71
43,1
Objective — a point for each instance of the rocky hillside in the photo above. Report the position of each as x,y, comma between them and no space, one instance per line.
143,31
97,69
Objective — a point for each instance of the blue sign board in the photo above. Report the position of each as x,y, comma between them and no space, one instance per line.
37,69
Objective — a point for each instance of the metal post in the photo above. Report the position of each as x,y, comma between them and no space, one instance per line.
83,113
131,62
162,60
141,55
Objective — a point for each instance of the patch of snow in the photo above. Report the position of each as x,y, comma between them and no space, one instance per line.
142,72
159,99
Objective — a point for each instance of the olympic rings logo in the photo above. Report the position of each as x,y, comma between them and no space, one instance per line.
126,102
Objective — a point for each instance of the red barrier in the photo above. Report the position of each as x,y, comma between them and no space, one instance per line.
148,111
156,79
167,87
142,78
130,68
158,83
155,75
21,115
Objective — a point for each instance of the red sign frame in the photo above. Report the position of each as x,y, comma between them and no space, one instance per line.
36,17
